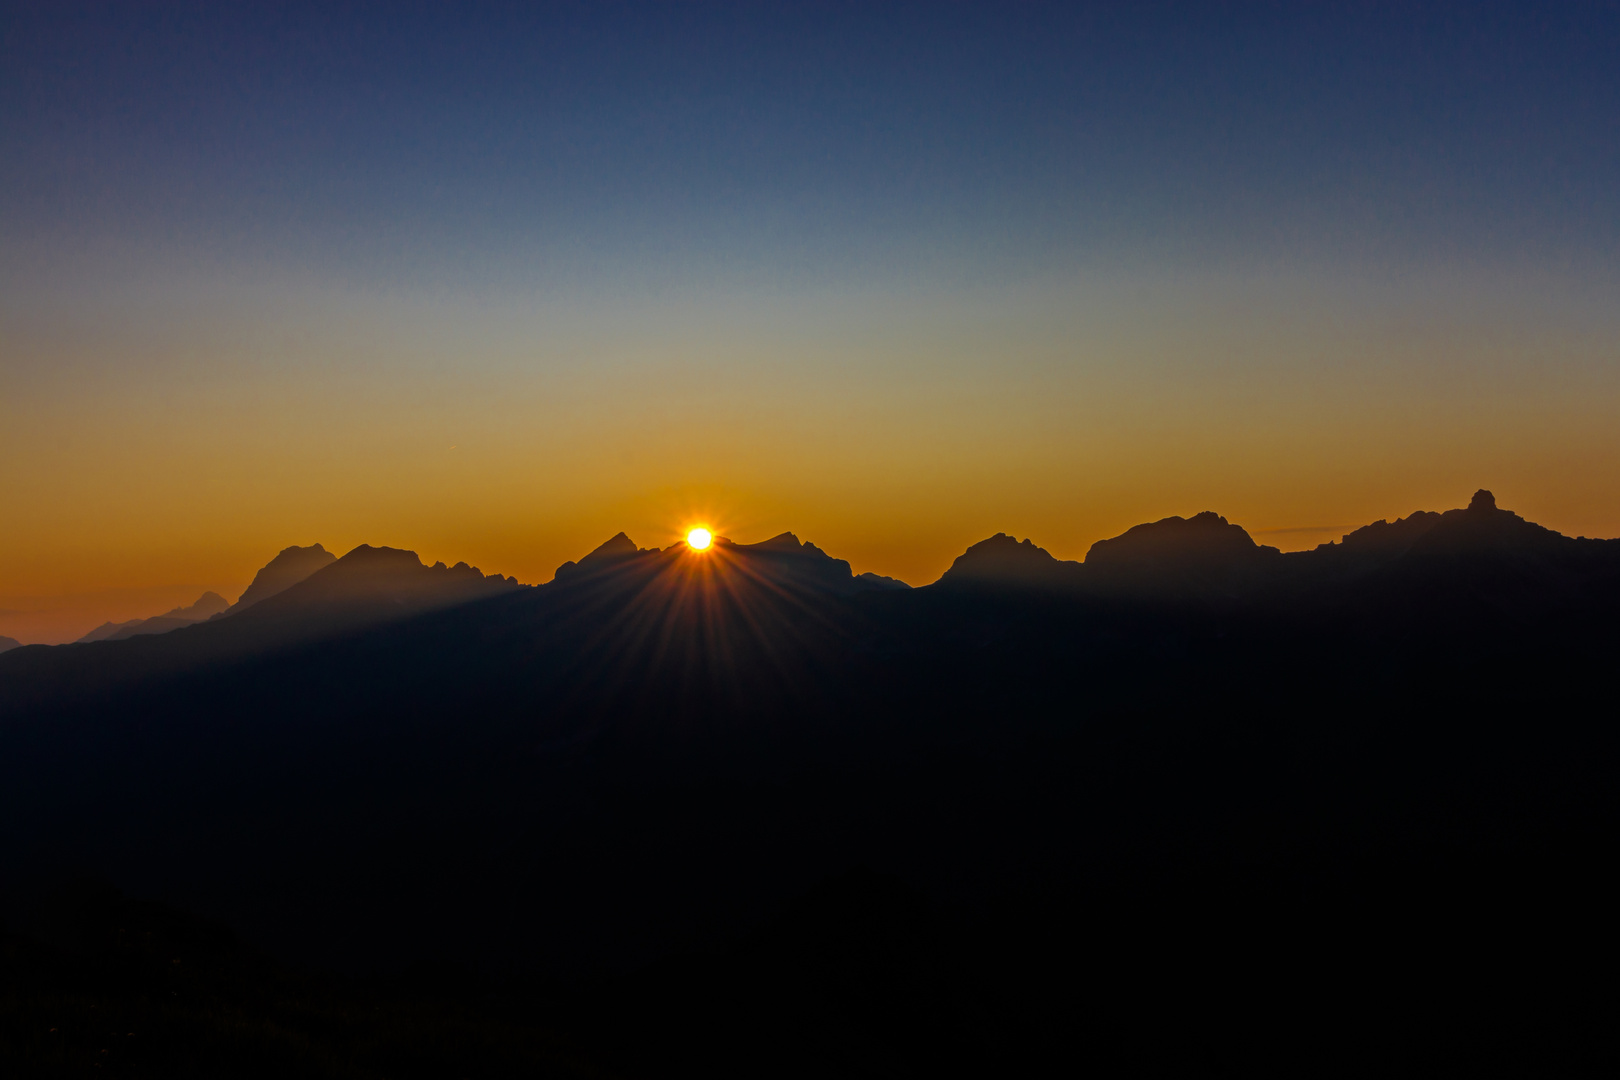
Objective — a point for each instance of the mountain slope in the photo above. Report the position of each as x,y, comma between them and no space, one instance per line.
207,606
288,568
368,587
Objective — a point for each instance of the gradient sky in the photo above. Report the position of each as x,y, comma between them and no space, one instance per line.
493,282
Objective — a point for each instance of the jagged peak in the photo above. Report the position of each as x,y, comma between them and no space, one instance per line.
784,541
1384,537
290,566
1007,559
1002,541
366,556
617,547
783,544
618,544
208,604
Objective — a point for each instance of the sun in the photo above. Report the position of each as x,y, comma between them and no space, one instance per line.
699,539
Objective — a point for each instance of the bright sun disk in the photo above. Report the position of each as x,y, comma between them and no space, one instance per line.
699,539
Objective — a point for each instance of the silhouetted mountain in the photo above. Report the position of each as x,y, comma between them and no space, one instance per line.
1203,556
1174,809
604,557
782,560
107,629
1482,527
206,607
1383,541
380,579
1003,561
1484,557
292,565
367,587
786,560
7,643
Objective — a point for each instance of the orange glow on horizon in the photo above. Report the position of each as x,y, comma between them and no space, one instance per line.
892,431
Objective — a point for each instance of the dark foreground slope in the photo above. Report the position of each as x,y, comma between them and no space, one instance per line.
736,812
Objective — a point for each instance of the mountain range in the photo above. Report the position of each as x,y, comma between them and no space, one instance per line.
744,809
1204,558
207,606
1208,558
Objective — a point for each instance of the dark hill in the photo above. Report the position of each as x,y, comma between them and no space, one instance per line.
7,643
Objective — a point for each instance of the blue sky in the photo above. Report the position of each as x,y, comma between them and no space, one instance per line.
508,144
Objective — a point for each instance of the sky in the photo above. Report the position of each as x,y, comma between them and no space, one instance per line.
493,282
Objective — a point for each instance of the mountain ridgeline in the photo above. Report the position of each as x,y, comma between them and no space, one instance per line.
207,606
1207,558
1192,800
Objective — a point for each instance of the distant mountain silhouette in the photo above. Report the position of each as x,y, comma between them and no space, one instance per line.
783,560
1383,541
107,629
206,607
1485,557
1002,560
369,585
7,643
1207,558
1204,555
786,560
292,565
1484,527
604,557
